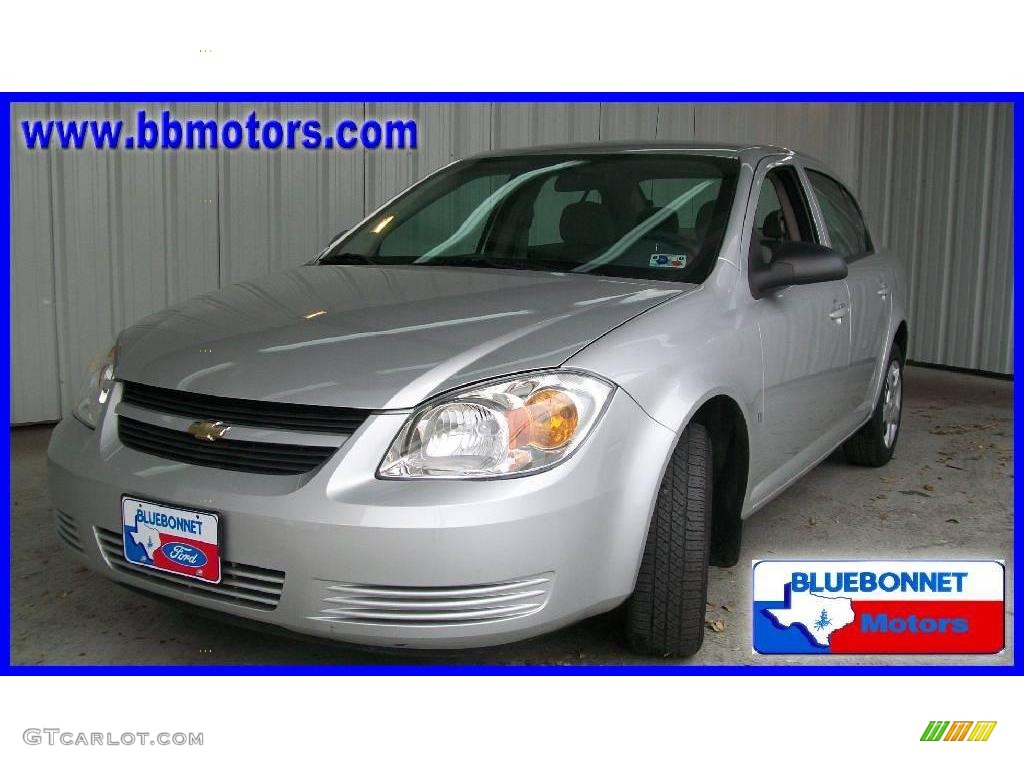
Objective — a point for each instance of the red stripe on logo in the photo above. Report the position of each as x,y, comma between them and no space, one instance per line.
922,626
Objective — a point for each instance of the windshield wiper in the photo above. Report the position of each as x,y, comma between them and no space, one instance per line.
533,264
473,261
347,258
445,261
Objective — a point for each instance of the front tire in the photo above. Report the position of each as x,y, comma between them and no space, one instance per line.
665,614
874,443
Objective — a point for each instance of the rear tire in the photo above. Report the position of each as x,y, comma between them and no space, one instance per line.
874,443
665,614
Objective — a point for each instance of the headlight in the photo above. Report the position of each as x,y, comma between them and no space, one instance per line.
512,426
96,389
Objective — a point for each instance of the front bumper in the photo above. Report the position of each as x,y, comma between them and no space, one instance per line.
341,554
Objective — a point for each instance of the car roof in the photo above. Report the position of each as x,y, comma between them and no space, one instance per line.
742,151
746,153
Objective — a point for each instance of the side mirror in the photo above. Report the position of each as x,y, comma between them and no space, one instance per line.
797,264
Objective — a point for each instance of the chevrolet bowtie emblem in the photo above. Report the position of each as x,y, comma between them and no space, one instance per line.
208,430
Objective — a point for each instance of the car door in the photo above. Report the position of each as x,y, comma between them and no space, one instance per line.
868,282
805,337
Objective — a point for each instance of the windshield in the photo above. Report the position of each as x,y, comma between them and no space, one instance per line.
654,216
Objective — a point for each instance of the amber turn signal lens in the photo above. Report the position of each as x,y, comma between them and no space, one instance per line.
553,418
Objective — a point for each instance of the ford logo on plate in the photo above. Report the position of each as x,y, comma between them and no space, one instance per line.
184,554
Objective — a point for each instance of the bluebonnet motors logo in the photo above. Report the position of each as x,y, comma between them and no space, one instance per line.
894,606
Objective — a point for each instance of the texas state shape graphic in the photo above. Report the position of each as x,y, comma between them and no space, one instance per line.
818,616
146,537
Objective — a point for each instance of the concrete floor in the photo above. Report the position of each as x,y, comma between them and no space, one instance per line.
947,493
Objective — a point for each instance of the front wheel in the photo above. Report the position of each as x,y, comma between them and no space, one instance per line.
665,614
874,443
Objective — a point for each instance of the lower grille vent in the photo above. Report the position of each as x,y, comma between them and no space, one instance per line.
247,585
434,606
67,530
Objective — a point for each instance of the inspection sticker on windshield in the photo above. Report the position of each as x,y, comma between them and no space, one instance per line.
668,260
884,606
170,539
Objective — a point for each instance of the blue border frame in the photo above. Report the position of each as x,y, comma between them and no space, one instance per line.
404,669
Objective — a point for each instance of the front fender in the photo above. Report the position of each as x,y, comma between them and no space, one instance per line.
674,358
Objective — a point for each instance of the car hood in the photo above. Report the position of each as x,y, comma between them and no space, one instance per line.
376,337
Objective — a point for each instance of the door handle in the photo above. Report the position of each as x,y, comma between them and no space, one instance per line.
841,311
883,290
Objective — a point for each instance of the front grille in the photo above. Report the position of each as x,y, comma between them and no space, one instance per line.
434,606
250,413
67,530
236,455
247,585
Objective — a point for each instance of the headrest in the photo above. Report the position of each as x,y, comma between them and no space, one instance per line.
703,221
586,223
774,227
669,225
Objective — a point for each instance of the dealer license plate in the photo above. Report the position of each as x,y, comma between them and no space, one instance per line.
171,539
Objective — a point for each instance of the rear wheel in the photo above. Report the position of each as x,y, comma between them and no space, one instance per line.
874,443
665,614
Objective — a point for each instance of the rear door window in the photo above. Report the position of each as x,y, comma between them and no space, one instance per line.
846,228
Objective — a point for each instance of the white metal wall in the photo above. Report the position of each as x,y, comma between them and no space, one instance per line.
936,182
101,239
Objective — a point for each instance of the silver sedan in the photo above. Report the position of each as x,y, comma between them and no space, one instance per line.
534,386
